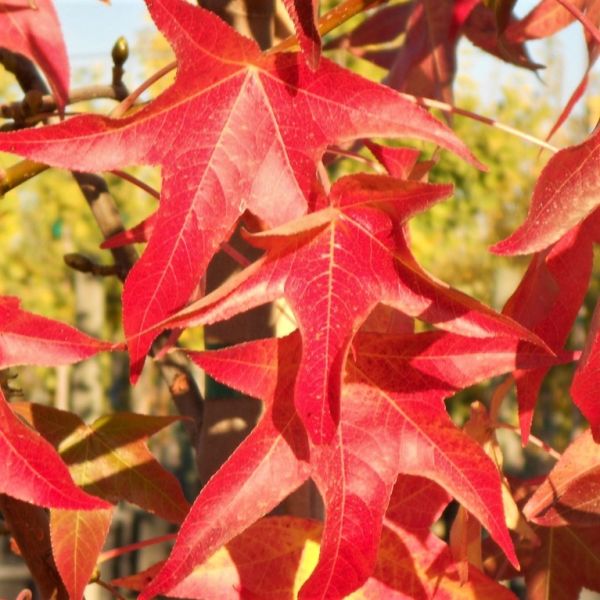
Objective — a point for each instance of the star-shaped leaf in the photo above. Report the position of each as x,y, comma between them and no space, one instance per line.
392,421
238,130
111,459
333,267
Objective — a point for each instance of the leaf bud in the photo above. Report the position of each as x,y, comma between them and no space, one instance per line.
120,52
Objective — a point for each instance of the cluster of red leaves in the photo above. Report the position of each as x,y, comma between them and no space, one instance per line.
354,399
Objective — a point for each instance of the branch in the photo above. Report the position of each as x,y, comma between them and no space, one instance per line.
31,106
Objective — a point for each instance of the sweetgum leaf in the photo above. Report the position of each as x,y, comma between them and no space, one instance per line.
426,63
567,191
392,421
238,130
413,568
333,267
547,302
77,539
482,30
384,25
544,20
569,495
273,557
566,558
36,33
416,504
398,162
565,562
30,339
585,381
32,471
111,458
138,234
304,14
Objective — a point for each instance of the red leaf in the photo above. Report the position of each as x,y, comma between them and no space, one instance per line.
593,15
566,558
565,194
138,234
398,162
546,19
413,568
29,339
304,14
569,495
565,562
382,26
547,302
77,539
392,421
584,389
426,63
416,504
255,126
36,33
32,471
481,29
333,267
248,567
110,457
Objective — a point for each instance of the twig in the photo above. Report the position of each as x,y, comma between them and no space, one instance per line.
110,588
337,151
21,110
449,108
83,264
19,173
116,552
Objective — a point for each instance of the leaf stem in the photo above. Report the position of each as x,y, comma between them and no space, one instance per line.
127,103
115,552
536,441
137,182
449,108
329,21
21,110
109,588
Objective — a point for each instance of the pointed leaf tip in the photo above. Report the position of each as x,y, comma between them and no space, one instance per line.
566,193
